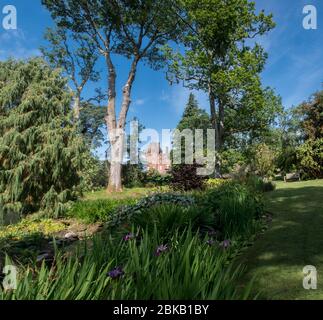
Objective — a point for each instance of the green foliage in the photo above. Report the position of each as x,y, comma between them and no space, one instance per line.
263,160
287,160
94,172
91,124
97,210
194,117
235,207
311,115
258,184
154,179
188,269
217,61
132,175
214,183
184,177
230,159
126,213
169,218
310,156
39,148
28,227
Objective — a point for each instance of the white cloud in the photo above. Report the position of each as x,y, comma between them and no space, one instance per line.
14,44
139,102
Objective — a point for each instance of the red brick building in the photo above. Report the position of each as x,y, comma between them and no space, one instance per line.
156,159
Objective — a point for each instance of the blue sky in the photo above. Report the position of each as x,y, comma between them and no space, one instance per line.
294,68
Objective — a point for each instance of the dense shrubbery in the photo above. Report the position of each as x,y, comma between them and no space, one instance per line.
154,179
260,185
133,175
310,157
235,208
94,173
184,177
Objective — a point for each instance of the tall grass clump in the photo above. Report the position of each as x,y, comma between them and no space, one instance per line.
168,218
186,267
91,211
235,207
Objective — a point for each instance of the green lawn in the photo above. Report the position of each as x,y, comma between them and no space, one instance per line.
294,240
126,193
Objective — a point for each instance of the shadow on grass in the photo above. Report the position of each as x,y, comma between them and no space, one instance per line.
294,240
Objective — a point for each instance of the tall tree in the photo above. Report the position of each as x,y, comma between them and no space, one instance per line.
194,117
133,29
39,148
77,55
311,117
217,58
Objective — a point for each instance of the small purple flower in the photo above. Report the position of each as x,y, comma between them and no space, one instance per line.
210,242
116,273
129,236
160,249
226,244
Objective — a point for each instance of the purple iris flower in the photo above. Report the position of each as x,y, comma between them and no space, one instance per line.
226,244
116,273
128,237
160,249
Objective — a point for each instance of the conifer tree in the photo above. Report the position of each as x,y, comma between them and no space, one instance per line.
39,147
194,117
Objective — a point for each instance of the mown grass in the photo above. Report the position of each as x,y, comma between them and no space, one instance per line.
294,240
125,194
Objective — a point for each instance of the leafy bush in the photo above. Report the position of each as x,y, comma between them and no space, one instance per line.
310,156
97,210
155,179
257,184
132,175
235,208
185,268
94,173
184,177
264,160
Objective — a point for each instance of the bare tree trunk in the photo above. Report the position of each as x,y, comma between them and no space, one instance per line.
116,130
114,170
117,147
